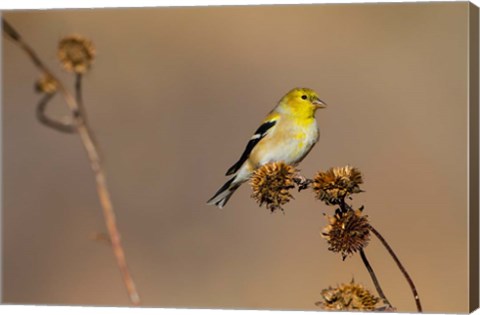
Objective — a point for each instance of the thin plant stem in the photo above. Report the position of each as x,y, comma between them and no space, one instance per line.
83,112
49,122
346,207
374,278
401,267
89,144
79,97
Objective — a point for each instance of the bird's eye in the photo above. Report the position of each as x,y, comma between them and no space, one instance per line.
304,97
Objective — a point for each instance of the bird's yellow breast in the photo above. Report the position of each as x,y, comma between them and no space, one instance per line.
288,141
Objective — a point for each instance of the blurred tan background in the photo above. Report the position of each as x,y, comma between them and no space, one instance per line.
173,97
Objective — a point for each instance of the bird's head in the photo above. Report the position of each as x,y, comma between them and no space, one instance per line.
301,101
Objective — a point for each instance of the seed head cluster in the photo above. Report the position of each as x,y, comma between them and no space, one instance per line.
337,183
46,85
271,184
348,297
76,53
348,232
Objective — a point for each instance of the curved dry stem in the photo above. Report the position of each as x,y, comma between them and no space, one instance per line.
49,122
400,266
92,151
374,279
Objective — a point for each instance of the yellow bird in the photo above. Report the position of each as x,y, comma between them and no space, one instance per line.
287,134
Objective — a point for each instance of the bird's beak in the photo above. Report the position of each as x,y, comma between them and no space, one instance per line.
319,103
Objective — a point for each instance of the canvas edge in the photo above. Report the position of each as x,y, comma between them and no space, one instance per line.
1,161
473,60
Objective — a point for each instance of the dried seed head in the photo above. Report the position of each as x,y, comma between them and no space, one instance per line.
271,184
337,183
347,233
76,53
46,84
348,297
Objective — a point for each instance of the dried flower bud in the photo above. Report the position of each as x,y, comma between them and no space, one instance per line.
347,233
46,84
76,53
337,183
271,184
348,297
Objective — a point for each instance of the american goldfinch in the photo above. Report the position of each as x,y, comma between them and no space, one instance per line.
287,134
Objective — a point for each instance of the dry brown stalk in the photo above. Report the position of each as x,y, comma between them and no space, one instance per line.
86,136
374,278
401,267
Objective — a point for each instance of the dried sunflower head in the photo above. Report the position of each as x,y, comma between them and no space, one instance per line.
348,232
271,184
337,183
348,297
76,53
46,84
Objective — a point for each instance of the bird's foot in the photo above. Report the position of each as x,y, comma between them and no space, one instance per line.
302,182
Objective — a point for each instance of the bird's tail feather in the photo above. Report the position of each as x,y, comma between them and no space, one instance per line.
224,193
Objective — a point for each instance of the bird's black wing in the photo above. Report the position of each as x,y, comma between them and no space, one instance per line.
259,134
